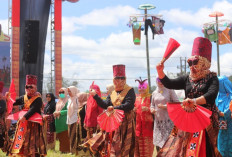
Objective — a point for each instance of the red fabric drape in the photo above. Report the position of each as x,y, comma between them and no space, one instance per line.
93,110
15,13
58,15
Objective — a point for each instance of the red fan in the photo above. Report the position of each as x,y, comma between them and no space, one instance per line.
189,121
34,118
110,121
11,97
171,47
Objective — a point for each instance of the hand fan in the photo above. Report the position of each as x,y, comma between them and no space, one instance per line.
110,121
171,47
194,121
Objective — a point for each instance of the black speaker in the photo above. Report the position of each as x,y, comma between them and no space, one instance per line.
31,41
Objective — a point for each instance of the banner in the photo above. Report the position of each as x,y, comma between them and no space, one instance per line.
5,61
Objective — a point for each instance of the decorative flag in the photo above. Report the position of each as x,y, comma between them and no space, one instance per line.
11,97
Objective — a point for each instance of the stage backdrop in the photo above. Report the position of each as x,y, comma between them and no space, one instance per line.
5,60
33,30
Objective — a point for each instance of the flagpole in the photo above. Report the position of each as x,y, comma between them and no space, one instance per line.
218,59
148,58
146,7
217,14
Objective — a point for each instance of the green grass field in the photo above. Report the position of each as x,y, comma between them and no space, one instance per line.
56,153
51,153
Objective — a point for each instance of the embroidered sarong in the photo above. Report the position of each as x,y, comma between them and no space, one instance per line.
197,144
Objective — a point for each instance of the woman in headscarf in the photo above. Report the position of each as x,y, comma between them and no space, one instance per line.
82,99
92,112
201,88
223,102
162,123
81,132
72,117
60,120
49,109
109,88
144,122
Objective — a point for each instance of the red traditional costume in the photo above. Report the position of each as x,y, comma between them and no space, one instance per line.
92,112
200,84
29,140
122,141
144,122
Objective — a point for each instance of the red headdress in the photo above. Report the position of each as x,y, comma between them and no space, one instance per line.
96,88
31,79
119,70
92,108
202,47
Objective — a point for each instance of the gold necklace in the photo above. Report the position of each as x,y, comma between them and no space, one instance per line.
142,100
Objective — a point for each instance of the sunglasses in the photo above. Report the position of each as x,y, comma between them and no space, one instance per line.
61,92
27,87
193,61
48,96
119,78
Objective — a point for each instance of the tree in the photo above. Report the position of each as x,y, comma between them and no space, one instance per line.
230,78
66,83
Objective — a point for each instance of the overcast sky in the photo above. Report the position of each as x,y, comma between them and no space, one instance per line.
96,36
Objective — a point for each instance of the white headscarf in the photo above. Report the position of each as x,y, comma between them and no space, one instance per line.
62,101
82,99
73,101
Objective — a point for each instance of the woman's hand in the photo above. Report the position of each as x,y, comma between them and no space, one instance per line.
92,92
152,110
221,114
188,102
160,67
45,117
78,120
162,106
110,108
56,114
7,96
189,105
22,119
160,70
144,108
135,109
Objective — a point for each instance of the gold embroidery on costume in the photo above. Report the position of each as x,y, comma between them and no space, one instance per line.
116,98
28,102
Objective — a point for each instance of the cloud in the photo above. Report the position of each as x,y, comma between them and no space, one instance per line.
108,16
86,59
197,19
225,63
93,59
224,7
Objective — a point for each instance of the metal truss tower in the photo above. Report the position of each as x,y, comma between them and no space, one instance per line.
9,16
52,18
